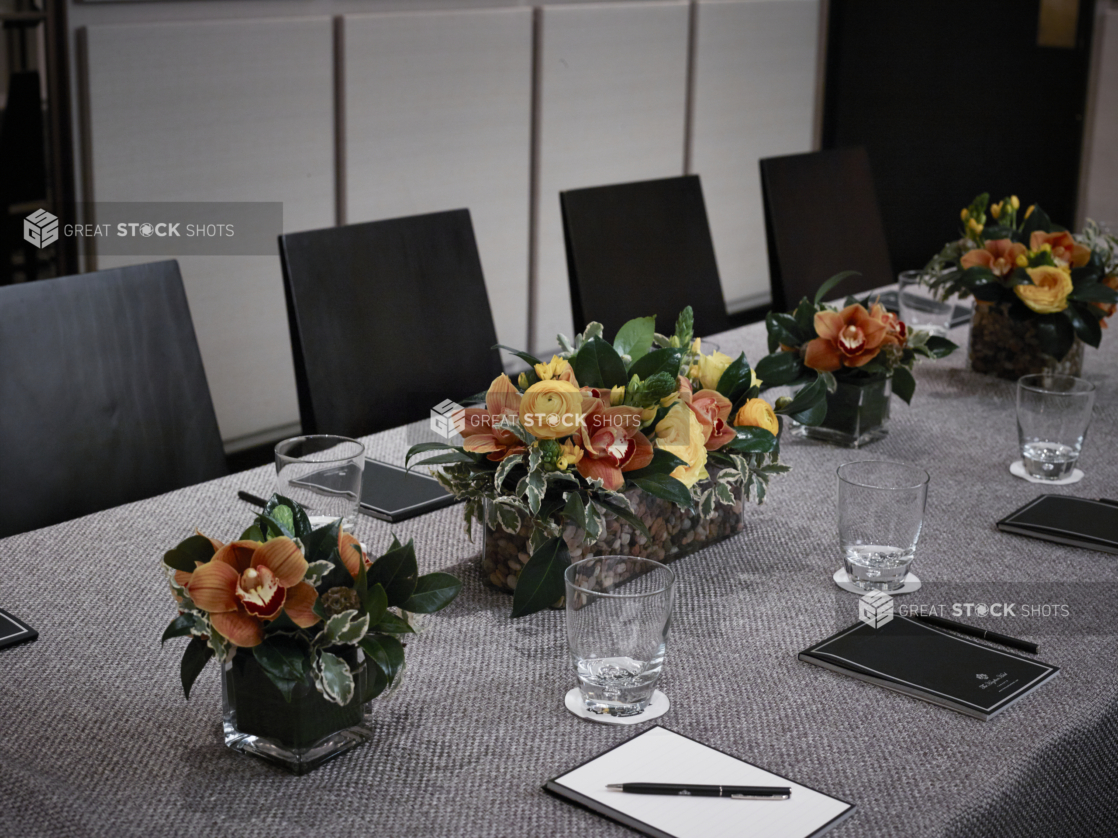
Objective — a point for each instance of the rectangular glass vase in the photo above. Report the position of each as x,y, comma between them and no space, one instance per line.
675,533
857,414
300,735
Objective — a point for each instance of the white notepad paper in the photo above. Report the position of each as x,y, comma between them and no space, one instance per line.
661,756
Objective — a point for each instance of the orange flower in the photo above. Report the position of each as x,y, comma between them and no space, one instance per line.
246,582
480,431
896,332
712,409
1108,308
846,338
758,413
999,255
1066,253
611,442
1049,292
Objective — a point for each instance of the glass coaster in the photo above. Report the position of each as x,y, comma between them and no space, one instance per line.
657,707
1017,469
842,579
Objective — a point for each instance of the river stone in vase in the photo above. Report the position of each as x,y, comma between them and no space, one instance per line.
1008,348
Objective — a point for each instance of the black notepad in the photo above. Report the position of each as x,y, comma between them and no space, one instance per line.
1080,522
388,492
937,666
13,631
659,755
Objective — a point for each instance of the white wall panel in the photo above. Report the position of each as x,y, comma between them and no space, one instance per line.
438,113
221,111
612,108
754,97
1102,165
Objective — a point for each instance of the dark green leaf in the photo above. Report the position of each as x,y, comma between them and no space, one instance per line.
1038,220
1055,334
444,459
783,329
806,398
634,338
735,379
386,652
396,571
665,486
597,364
375,603
826,287
805,318
751,441
813,415
180,627
194,659
284,661
940,347
541,579
990,292
663,462
575,510
1094,292
297,519
391,624
424,447
187,553
779,368
658,360
432,592
904,385
1085,323
376,682
530,360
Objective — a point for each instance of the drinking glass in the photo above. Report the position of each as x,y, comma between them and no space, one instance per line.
918,307
1053,412
618,614
880,513
322,473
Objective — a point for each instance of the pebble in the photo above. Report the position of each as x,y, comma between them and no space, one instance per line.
1007,348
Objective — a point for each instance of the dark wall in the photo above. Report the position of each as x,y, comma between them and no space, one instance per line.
952,98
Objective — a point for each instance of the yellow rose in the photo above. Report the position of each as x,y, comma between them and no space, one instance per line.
680,433
551,409
710,369
1049,292
757,413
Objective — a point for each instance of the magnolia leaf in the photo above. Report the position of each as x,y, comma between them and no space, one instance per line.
666,360
779,368
541,579
433,592
396,571
386,652
392,624
597,364
575,510
635,337
333,678
665,486
663,462
375,603
181,626
904,385
188,553
530,360
826,287
194,659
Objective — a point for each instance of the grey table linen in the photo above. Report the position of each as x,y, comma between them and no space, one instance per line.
97,740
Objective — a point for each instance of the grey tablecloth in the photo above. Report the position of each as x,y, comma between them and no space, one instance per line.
96,738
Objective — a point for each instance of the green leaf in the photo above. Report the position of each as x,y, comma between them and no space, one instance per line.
1055,334
433,591
736,379
194,659
391,624
180,627
597,364
375,603
253,533
396,571
783,329
424,447
530,360
779,369
625,515
541,579
813,415
506,466
575,510
806,398
665,486
386,652
1094,292
335,678
752,441
940,347
445,459
1086,325
826,287
634,338
659,360
187,553
284,661
1037,220
663,462
904,385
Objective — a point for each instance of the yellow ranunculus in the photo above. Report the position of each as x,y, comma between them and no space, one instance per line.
710,369
551,409
1049,292
680,433
757,413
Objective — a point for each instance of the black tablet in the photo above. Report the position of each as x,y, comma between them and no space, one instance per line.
389,492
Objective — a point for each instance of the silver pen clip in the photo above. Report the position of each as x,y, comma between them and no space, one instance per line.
760,796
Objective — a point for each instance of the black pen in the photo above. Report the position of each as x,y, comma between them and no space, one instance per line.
983,634
685,790
253,499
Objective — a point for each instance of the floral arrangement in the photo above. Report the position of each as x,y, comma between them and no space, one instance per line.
1038,270
821,346
296,597
563,443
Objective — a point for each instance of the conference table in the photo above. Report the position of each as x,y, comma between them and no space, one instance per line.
96,738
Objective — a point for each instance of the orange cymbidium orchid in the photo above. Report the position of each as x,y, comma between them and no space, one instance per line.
999,255
712,409
896,332
349,548
479,425
850,337
1066,252
611,441
246,582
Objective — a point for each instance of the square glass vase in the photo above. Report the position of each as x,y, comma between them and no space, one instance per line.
857,414
299,735
675,532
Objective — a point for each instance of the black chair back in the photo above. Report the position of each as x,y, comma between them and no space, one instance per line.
822,217
388,319
635,249
103,399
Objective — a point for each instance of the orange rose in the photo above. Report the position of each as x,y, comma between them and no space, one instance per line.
1065,251
999,255
846,338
